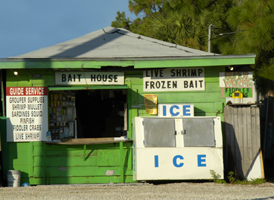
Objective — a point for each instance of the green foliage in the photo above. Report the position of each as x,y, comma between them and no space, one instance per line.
121,21
145,6
185,22
254,18
231,177
216,177
232,180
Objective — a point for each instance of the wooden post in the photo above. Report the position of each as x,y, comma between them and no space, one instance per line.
122,162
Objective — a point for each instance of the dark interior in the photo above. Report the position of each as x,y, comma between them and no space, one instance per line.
100,113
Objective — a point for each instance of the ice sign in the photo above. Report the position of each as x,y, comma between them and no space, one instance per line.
176,110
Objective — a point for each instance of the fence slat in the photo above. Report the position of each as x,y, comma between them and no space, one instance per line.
245,161
249,137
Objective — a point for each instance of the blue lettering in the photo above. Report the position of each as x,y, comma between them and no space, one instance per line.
175,161
171,110
200,160
164,110
156,161
186,110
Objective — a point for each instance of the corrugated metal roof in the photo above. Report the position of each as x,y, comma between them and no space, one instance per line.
114,43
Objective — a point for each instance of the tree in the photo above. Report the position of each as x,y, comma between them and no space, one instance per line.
184,22
121,21
254,20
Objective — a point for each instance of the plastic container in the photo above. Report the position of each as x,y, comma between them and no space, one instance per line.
14,177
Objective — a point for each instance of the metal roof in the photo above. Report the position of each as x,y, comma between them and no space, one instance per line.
111,43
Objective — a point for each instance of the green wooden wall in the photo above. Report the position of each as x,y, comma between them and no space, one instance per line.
42,163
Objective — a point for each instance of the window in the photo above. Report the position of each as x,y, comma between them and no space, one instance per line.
98,113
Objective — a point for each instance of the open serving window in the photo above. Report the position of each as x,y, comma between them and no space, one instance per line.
91,113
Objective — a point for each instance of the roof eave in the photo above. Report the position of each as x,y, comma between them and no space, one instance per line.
137,62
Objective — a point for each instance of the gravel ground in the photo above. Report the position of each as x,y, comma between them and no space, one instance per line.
207,190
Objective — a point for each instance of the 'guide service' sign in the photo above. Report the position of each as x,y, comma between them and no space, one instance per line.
27,113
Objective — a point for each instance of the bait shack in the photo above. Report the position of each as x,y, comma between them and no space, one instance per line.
71,112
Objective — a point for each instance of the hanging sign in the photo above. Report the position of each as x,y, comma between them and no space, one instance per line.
89,78
27,113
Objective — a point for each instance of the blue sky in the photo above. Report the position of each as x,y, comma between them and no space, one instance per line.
27,25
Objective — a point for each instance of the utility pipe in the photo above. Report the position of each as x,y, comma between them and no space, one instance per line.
209,37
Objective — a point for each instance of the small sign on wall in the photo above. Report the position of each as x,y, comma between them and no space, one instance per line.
27,113
174,79
176,110
230,82
150,101
89,78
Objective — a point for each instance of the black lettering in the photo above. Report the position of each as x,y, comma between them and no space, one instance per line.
169,84
156,73
92,78
74,77
115,78
147,84
64,78
201,83
191,84
99,77
69,78
174,83
161,73
147,75
172,72
178,72
110,78
158,84
185,84
246,91
184,72
79,77
195,84
193,72
188,72
163,84
199,72
152,85
105,78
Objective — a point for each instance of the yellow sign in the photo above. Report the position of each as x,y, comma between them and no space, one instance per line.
150,101
237,95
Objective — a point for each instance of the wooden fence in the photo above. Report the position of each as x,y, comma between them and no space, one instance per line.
242,129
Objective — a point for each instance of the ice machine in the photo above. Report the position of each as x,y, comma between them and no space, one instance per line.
185,148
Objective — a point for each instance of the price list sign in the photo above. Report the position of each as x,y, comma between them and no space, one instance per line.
27,113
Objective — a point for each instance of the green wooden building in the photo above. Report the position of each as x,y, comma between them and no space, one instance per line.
67,109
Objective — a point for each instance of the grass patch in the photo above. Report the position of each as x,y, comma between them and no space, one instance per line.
233,180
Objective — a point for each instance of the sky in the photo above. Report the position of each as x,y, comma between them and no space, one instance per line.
28,25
